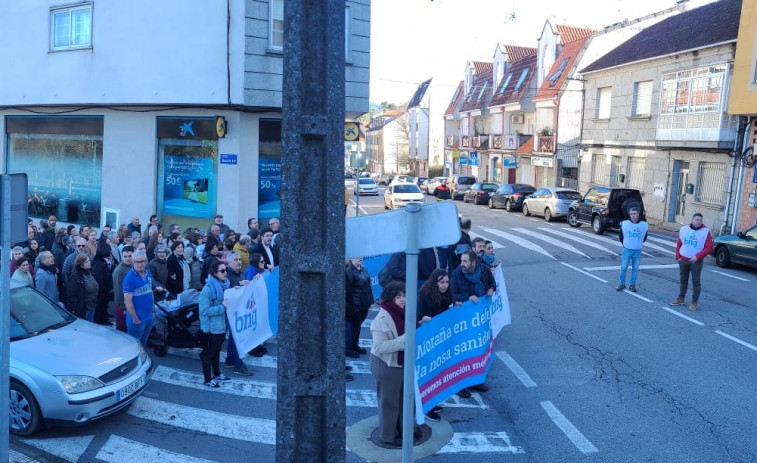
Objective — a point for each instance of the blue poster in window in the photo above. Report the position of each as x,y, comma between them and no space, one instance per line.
186,188
463,160
269,169
473,158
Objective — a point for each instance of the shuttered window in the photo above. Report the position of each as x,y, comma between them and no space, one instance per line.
642,99
635,173
711,182
600,169
603,102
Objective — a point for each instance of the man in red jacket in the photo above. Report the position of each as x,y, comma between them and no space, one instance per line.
694,244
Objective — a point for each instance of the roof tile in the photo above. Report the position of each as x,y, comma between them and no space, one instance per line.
571,34
514,53
551,88
506,90
455,101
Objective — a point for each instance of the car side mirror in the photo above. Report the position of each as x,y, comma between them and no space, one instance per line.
741,234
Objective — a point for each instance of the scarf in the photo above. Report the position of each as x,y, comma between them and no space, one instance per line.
398,317
490,259
217,287
52,269
475,278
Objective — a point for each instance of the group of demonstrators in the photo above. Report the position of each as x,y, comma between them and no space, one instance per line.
133,266
469,279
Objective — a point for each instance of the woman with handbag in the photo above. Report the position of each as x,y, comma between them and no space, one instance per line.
213,322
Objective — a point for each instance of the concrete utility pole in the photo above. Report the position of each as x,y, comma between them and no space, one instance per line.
310,406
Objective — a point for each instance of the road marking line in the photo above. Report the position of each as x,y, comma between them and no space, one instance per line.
662,240
696,322
550,240
638,296
248,429
585,273
67,448
570,431
494,243
641,267
519,241
735,339
519,372
121,450
579,240
614,242
480,442
730,276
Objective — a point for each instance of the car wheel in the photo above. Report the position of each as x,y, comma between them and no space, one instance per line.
573,219
547,215
491,204
25,416
525,210
597,225
475,201
723,257
508,206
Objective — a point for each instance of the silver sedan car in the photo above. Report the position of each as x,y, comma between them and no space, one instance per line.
64,370
550,202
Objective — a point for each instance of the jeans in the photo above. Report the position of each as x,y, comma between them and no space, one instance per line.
210,355
445,258
685,267
141,331
232,354
632,256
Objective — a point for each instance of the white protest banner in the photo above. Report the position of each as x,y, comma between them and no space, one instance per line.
500,307
247,312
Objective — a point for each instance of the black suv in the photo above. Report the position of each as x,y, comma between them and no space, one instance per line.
604,207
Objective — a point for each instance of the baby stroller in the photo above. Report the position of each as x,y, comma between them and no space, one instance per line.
180,317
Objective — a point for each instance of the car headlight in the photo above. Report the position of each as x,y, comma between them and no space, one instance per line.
143,357
74,384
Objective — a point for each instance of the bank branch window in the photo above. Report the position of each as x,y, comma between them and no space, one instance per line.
62,157
187,169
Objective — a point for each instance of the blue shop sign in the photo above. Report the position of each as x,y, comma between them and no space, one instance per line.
228,159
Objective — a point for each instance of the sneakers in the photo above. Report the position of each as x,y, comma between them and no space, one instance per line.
464,393
693,306
242,371
212,383
632,288
221,377
620,287
678,301
433,416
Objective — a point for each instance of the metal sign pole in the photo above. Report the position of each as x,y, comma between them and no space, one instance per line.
5,303
411,302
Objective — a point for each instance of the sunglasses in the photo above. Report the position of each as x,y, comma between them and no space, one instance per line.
261,262
222,270
81,245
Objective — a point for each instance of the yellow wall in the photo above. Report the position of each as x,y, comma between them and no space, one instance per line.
744,89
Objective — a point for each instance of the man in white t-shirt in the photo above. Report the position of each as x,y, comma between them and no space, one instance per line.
633,234
694,244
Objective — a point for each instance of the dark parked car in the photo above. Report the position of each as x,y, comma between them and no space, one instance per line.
740,248
604,207
479,193
510,196
459,185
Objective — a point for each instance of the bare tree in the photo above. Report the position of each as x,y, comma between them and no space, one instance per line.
402,135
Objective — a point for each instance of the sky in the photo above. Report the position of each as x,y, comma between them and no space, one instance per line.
414,40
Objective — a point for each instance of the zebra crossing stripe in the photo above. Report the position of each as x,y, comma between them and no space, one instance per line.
494,243
480,442
519,241
550,240
121,450
579,240
661,240
244,428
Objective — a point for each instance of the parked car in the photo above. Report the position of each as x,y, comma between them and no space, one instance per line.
365,174
510,196
479,192
422,183
550,202
365,186
433,183
604,207
460,184
740,248
405,179
65,370
400,195
383,179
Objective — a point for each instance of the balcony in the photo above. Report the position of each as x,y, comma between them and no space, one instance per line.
465,142
480,141
546,143
451,141
497,142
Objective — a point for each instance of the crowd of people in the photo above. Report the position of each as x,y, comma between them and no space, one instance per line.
131,267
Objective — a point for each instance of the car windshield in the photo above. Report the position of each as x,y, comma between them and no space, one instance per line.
408,188
33,314
367,181
572,195
524,189
489,187
466,181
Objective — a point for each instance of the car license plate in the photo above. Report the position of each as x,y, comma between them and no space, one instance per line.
125,392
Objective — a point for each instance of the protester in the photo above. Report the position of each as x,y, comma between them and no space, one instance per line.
359,298
463,245
694,244
22,272
179,274
442,191
104,277
82,289
119,273
213,322
158,266
237,281
633,234
46,279
138,298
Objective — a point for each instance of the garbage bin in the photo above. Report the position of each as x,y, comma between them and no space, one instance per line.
63,210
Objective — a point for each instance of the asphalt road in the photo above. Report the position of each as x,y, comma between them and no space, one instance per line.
584,373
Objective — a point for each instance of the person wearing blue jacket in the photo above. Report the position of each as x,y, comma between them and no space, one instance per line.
213,322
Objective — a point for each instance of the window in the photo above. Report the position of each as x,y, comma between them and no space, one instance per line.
556,76
693,91
276,24
635,173
604,95
71,27
521,79
507,81
642,99
711,182
600,169
483,89
454,98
